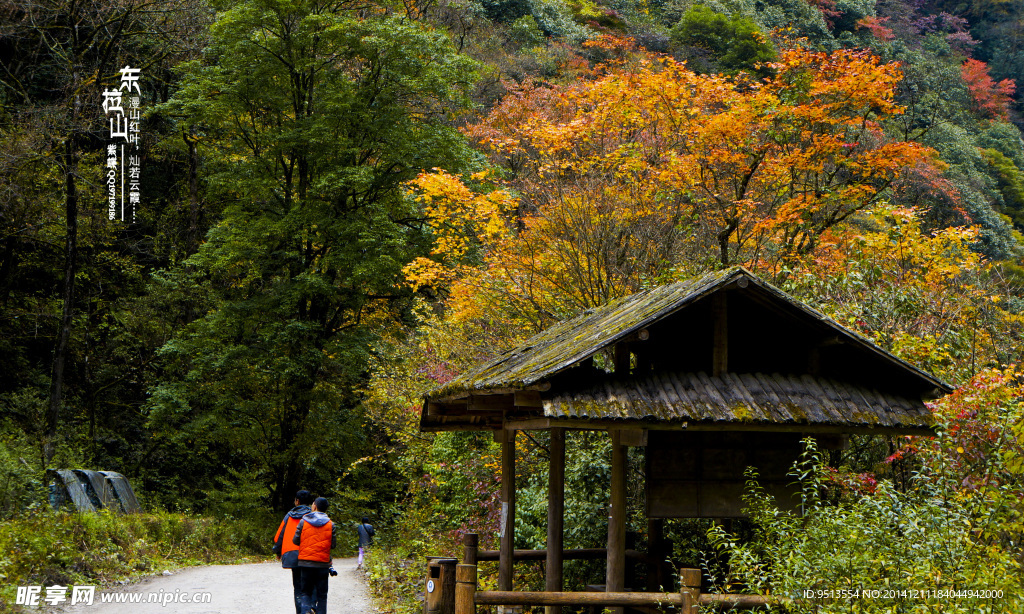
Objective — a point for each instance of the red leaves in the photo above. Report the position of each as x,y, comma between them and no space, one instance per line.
991,99
851,483
879,31
984,432
828,11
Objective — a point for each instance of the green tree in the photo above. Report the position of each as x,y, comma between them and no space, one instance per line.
1011,184
734,40
65,271
310,115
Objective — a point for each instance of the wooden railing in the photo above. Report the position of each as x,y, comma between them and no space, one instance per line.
540,555
454,589
686,601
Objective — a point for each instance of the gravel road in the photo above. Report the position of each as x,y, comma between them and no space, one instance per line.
263,588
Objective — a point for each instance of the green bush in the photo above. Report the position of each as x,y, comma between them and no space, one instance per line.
46,548
20,486
735,41
505,11
525,32
396,581
1010,181
957,529
555,19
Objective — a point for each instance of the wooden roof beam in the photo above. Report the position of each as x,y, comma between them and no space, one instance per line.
491,402
720,324
535,424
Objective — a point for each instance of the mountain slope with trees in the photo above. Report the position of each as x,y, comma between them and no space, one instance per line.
348,203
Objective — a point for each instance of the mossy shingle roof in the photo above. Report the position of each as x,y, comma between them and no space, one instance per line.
573,340
864,386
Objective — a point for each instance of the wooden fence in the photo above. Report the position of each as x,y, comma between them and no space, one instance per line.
455,590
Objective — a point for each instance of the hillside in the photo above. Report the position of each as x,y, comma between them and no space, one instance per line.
239,241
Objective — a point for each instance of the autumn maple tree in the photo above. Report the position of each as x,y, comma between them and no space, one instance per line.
991,98
648,167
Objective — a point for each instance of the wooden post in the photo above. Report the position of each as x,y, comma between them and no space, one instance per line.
508,509
615,579
447,602
720,351
656,555
556,515
465,589
689,581
470,543
630,579
622,359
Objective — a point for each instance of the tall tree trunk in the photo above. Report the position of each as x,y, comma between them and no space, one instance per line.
192,238
290,485
289,470
69,164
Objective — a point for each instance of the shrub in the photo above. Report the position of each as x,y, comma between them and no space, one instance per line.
20,485
958,528
525,32
735,40
46,548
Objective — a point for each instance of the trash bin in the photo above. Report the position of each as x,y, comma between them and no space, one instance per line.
439,591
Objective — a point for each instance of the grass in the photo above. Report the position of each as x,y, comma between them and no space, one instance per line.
46,548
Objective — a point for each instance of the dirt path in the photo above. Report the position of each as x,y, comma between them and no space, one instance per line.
263,588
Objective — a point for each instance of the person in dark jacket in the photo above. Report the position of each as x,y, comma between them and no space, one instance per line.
315,535
286,551
365,539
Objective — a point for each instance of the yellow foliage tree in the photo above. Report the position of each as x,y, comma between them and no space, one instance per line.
926,296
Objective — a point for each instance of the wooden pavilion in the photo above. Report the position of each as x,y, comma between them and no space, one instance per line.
709,375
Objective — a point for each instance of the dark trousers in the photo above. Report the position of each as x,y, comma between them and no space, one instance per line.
313,581
297,588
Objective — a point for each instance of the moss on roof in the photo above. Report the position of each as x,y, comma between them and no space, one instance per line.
571,341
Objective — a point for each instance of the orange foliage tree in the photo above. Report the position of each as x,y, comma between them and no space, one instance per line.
647,168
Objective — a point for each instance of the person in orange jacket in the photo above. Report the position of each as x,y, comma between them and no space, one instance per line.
286,551
315,535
